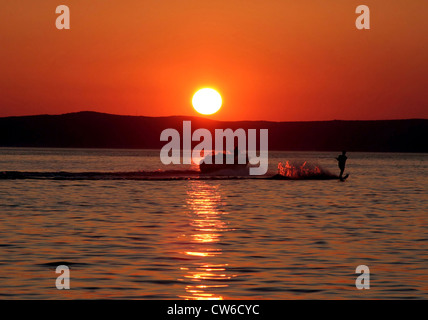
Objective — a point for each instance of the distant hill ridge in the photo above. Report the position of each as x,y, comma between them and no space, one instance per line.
100,130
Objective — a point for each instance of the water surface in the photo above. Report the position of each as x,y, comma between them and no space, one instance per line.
212,239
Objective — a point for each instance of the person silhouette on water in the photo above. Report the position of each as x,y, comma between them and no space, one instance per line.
341,159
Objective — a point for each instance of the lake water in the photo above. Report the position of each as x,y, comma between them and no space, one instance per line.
193,238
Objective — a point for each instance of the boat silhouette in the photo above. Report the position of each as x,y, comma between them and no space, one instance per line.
208,165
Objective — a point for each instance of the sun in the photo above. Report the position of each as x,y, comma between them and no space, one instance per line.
207,101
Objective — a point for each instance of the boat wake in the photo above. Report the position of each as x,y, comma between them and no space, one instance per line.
137,175
286,171
302,171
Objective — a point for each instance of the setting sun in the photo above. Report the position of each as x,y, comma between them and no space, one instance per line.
207,101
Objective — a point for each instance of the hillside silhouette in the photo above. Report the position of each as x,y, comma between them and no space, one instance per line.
100,130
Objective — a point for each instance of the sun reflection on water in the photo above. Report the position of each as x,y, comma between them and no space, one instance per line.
208,274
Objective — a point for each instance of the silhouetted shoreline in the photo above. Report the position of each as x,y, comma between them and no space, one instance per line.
100,130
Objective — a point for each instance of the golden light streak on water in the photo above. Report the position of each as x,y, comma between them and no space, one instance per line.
207,227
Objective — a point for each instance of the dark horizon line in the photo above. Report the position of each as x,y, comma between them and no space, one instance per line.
200,117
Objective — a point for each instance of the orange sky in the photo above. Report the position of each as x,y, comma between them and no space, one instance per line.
271,60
